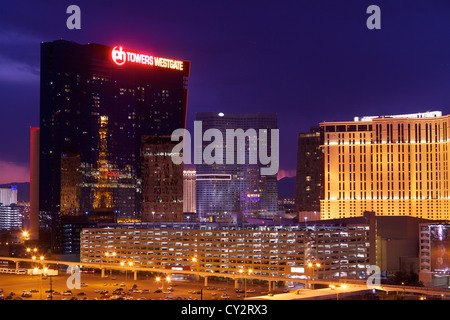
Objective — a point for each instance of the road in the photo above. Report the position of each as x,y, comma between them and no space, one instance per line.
94,282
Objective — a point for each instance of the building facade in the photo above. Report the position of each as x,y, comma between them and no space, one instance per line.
162,181
10,217
8,196
391,165
435,254
189,191
96,104
224,190
343,251
309,176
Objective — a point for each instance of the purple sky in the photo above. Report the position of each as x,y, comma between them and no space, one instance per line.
307,61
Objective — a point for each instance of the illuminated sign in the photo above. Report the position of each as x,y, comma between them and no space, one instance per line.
120,56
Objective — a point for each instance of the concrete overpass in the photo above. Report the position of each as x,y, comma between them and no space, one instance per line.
354,284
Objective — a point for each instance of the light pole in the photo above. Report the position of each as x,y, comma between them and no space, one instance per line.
41,259
245,279
113,254
313,266
129,264
194,259
333,287
158,279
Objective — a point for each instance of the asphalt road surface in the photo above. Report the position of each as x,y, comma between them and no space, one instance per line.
93,284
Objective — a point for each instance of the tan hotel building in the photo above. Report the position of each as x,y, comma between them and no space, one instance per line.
392,165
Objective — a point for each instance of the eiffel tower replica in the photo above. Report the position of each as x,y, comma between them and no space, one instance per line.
103,203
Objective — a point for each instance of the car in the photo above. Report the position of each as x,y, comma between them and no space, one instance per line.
285,290
18,298
26,294
122,284
1,290
81,293
116,284
67,293
224,297
104,292
34,290
83,284
145,291
158,291
97,290
74,298
105,283
105,296
250,290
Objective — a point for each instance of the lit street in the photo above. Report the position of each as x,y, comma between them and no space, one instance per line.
93,285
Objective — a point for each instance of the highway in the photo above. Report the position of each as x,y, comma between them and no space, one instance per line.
360,285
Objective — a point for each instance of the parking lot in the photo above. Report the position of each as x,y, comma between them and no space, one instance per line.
121,286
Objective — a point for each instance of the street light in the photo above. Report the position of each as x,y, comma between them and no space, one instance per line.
25,236
158,279
113,254
333,287
130,264
250,271
313,266
194,259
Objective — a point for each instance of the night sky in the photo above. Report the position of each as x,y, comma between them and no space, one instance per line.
307,61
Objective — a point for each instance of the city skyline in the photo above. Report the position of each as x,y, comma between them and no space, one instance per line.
301,60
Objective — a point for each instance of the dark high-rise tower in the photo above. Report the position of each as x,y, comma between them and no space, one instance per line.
96,104
309,185
226,190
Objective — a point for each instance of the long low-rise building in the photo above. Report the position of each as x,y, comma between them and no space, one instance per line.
342,250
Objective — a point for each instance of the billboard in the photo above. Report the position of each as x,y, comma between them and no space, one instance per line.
440,248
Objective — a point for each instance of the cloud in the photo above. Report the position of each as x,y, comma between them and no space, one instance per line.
13,172
286,173
17,71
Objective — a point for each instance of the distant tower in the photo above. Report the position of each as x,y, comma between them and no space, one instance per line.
189,177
